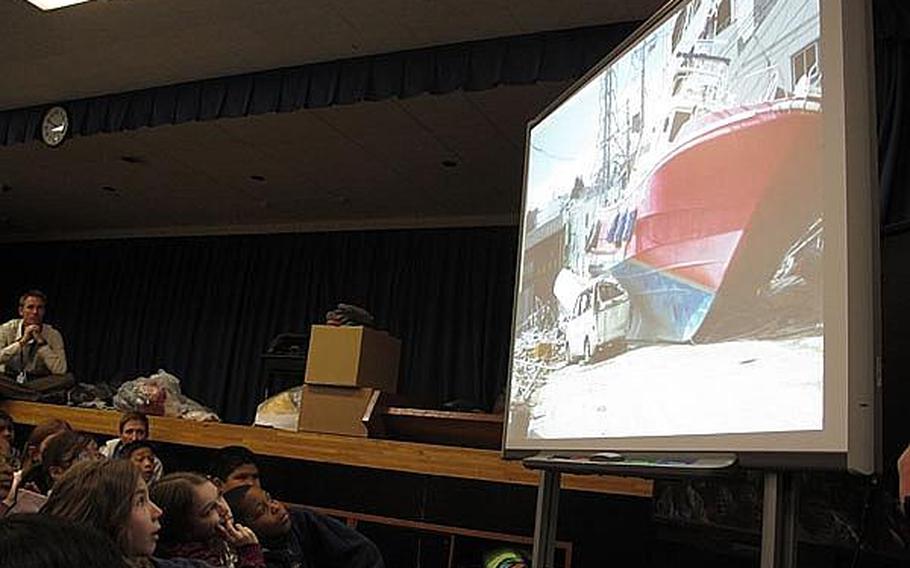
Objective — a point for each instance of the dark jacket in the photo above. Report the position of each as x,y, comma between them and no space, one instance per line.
318,541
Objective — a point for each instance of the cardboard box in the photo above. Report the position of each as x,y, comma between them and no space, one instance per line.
337,410
353,357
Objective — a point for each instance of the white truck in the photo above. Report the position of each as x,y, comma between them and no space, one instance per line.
600,318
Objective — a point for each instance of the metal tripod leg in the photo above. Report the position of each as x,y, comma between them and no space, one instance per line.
545,520
778,532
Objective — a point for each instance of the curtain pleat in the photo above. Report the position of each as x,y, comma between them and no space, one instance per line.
470,65
206,308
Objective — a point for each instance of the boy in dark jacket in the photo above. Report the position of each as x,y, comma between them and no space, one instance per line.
297,537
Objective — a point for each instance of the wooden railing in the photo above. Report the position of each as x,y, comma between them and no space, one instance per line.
410,457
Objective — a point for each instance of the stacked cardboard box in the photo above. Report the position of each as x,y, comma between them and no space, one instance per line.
348,368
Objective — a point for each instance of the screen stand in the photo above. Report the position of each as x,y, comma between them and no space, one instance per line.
779,505
778,525
545,519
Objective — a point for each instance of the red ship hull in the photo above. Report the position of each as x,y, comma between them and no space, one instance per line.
719,212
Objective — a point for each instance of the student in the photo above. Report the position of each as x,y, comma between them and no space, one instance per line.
7,501
6,451
40,541
111,496
133,427
14,499
297,537
8,439
37,440
505,558
197,523
235,466
61,451
141,454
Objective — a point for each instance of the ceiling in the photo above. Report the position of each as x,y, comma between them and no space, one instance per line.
432,160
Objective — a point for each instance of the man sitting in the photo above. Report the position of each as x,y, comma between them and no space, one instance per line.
27,344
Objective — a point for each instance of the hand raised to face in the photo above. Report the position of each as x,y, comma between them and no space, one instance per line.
236,535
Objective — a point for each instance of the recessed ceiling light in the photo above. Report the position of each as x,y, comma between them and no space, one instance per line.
54,4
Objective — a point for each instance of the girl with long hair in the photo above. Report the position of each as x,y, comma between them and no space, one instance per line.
112,497
197,523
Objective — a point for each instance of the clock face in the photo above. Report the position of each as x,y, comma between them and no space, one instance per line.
55,125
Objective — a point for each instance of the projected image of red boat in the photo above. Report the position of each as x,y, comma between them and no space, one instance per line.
716,217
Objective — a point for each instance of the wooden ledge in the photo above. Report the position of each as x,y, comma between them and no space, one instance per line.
442,427
409,457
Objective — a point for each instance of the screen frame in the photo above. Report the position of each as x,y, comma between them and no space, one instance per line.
851,270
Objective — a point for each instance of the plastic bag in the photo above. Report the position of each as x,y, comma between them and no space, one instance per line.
280,411
160,395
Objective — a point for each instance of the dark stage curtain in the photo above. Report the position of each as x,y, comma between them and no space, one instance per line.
205,309
471,66
892,62
892,66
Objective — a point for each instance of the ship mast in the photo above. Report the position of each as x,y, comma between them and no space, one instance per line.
606,121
